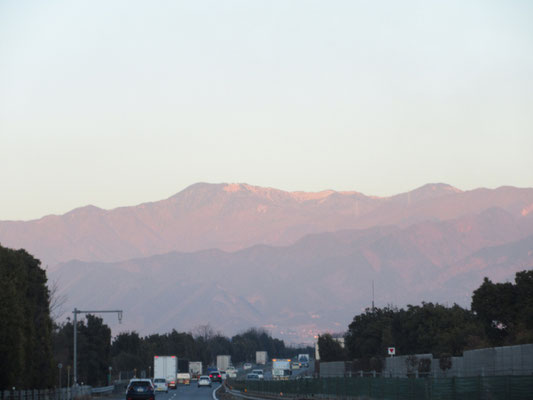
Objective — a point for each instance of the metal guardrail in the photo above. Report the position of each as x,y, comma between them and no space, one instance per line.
103,390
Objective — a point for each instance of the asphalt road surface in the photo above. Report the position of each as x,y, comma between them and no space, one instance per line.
183,392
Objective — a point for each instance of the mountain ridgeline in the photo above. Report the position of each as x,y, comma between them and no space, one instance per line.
232,217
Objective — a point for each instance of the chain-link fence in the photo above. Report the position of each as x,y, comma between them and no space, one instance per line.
478,388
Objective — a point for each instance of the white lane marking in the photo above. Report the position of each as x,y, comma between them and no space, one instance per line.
214,393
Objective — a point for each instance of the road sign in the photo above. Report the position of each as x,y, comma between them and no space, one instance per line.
392,351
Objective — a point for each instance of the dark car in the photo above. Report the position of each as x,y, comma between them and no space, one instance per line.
215,376
140,389
252,377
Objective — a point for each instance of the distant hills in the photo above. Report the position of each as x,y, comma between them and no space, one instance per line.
236,255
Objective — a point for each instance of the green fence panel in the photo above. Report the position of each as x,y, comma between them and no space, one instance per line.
470,388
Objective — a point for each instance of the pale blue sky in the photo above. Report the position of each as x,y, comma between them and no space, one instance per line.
115,103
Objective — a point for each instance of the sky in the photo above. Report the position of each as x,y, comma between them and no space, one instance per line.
116,103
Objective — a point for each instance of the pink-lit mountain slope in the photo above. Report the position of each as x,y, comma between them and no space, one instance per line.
318,283
236,216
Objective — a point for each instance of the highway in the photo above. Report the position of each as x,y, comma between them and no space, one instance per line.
193,392
181,393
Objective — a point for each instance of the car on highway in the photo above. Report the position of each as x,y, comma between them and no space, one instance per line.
204,380
161,385
231,372
215,376
252,377
172,384
223,374
295,365
140,389
259,373
247,366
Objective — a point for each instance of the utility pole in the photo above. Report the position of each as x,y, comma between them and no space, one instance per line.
76,312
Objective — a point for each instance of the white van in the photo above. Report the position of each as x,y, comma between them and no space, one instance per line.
259,373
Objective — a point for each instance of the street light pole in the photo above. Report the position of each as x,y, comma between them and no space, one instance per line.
75,371
76,312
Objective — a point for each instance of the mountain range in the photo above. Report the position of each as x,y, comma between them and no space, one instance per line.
232,217
236,255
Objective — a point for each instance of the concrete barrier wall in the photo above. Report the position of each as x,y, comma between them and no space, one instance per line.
508,360
397,366
334,369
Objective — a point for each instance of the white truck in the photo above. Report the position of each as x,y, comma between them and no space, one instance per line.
261,357
223,362
195,369
166,367
184,378
303,359
281,368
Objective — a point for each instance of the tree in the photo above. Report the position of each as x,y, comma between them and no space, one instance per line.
494,304
126,352
429,328
12,339
369,333
506,309
94,350
524,299
330,349
434,328
26,328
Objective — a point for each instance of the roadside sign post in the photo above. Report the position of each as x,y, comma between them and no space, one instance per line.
392,351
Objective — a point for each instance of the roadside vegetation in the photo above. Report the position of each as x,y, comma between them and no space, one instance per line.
501,314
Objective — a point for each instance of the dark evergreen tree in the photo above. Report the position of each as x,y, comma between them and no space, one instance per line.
506,309
330,349
94,351
25,331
